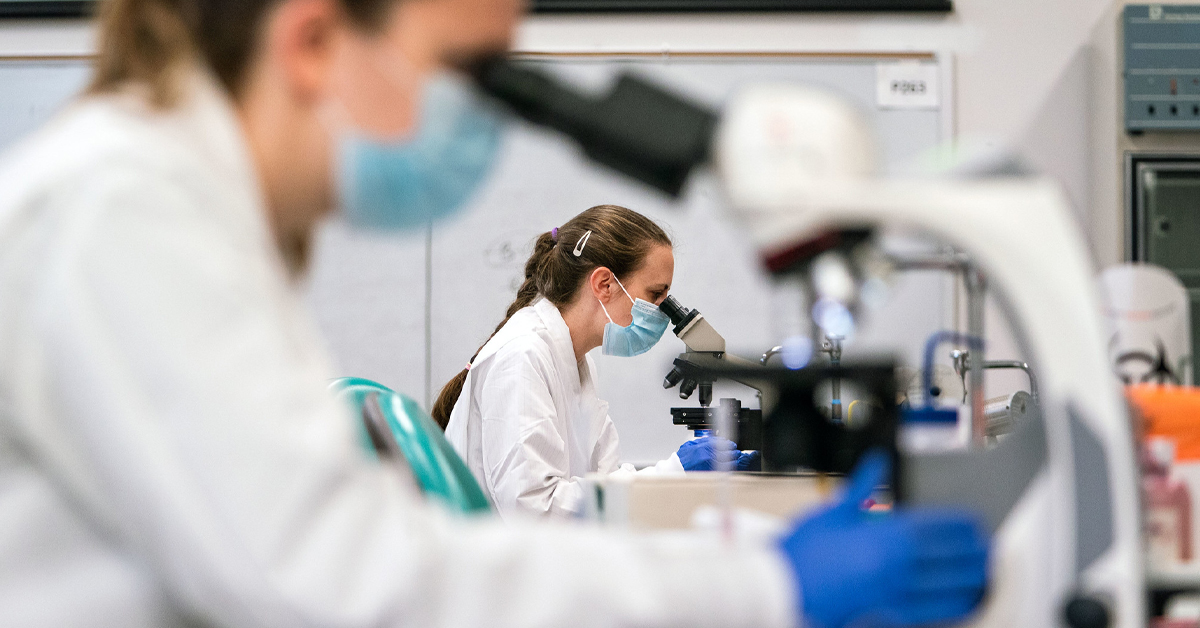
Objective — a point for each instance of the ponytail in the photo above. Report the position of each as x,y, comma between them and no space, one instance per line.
142,42
525,296
150,44
616,238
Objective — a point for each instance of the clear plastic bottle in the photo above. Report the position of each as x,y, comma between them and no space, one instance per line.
1168,506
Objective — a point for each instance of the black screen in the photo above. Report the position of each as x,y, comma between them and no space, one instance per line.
680,6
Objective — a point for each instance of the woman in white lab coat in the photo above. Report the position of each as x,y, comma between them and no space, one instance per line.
169,452
524,414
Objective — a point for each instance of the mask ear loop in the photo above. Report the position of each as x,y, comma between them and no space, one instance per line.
631,299
605,311
618,283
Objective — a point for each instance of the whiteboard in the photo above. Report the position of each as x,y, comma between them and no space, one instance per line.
409,310
31,91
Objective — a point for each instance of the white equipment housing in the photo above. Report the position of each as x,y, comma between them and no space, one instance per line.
1061,494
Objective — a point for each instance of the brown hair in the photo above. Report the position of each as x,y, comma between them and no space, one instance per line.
150,43
620,240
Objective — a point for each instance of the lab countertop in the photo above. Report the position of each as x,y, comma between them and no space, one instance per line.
649,502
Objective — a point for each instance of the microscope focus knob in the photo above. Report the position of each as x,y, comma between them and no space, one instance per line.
1086,612
673,378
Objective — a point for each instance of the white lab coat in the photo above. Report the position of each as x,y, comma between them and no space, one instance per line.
169,453
528,421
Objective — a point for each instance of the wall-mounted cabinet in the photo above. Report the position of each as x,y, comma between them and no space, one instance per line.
1164,221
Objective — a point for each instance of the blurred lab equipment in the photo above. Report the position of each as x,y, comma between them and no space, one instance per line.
930,431
798,433
813,191
1148,314
1005,414
832,346
638,129
792,433
1180,610
396,429
1168,506
1168,422
748,432
1169,425
928,425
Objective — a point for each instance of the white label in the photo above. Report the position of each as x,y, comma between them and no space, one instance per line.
907,86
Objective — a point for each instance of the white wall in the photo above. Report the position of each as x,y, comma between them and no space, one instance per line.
1010,53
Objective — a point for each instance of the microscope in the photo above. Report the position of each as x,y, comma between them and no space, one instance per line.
1060,493
694,369
706,360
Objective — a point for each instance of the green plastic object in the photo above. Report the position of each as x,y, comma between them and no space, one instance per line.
438,469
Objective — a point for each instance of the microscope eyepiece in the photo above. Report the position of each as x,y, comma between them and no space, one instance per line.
638,128
673,310
680,316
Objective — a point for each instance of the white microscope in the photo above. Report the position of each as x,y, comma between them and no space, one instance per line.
1061,492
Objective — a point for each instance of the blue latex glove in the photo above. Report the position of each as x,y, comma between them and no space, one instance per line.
909,567
700,454
749,461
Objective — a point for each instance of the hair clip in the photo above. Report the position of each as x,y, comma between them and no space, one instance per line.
582,243
554,234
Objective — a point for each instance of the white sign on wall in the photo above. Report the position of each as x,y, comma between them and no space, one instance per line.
907,85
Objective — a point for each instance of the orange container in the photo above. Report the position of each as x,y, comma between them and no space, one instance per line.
1169,411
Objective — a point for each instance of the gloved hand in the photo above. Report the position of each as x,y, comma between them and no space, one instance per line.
908,567
749,461
701,454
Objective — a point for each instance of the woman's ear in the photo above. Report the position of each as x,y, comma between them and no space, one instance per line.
301,37
601,283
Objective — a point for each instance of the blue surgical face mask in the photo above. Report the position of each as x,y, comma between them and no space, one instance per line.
648,326
407,183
